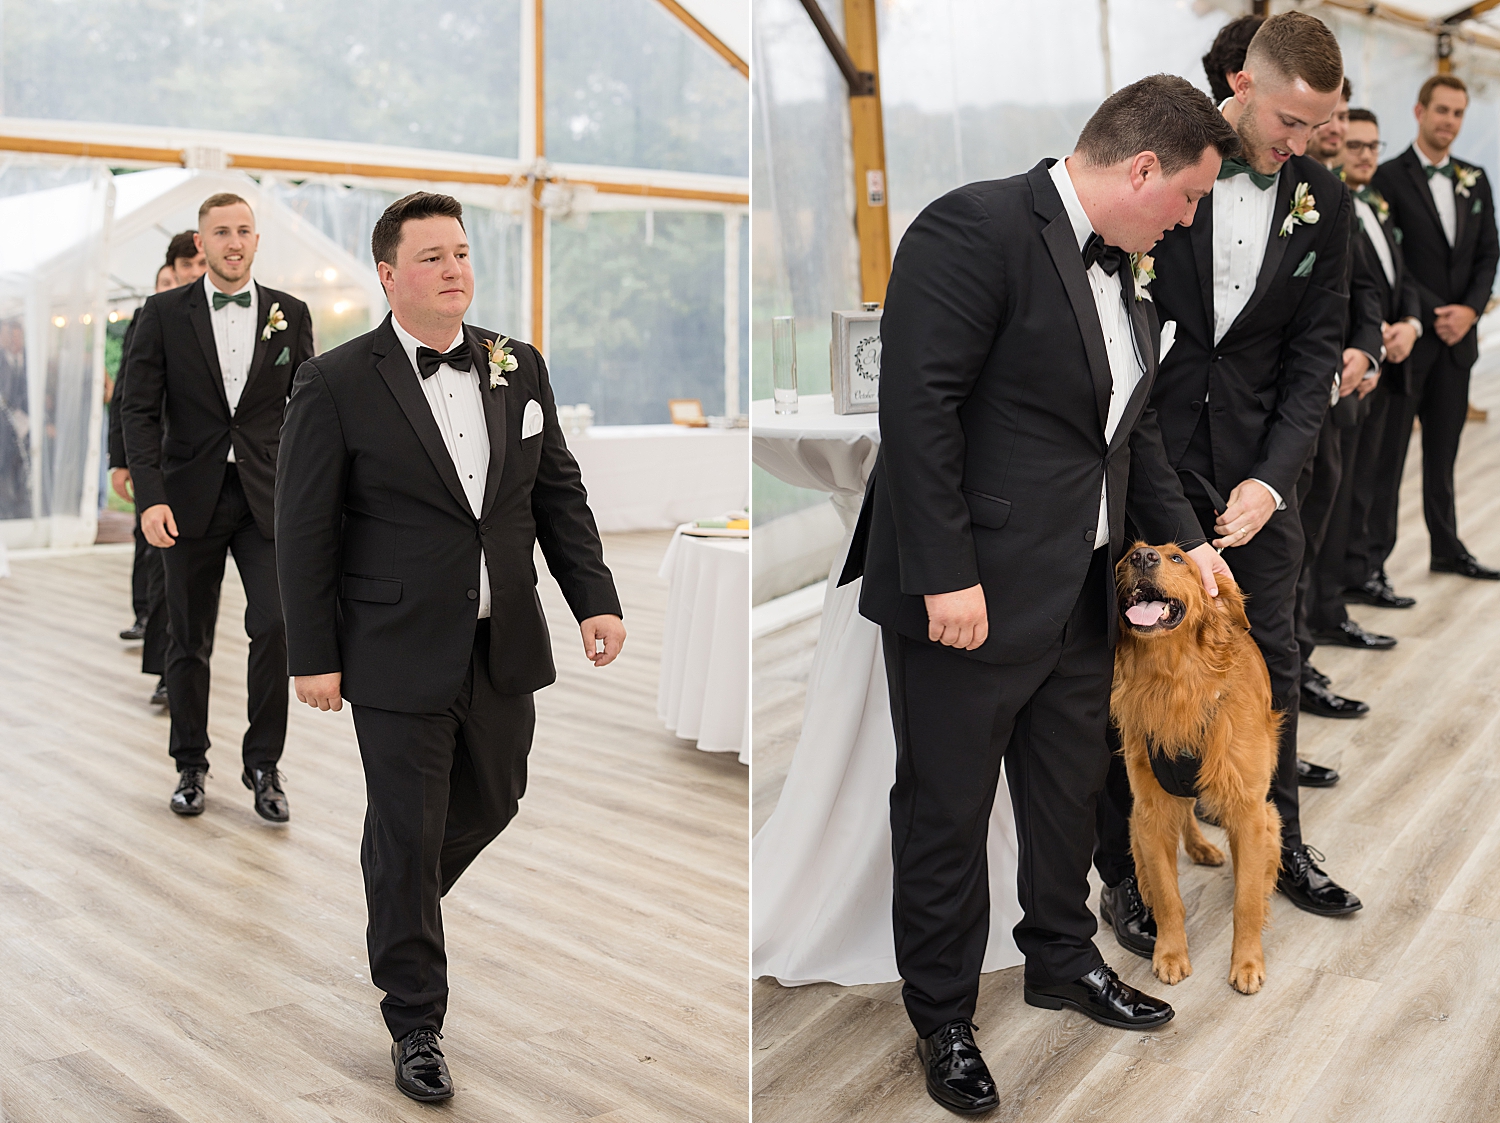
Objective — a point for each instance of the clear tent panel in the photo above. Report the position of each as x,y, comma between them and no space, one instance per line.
629,85
303,69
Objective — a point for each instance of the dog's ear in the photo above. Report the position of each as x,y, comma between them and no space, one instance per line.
1231,603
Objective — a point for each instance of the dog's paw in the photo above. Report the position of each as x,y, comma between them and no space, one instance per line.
1247,977
1204,853
1171,967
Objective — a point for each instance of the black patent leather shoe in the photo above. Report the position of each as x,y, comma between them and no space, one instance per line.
270,800
421,1070
1378,592
1311,775
1350,634
957,1076
159,695
189,799
1123,910
136,632
1309,888
1318,699
1466,566
1312,674
1102,996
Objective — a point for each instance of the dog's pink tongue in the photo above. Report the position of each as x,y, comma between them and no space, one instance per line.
1145,615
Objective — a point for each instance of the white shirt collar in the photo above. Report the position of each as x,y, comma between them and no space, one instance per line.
410,343
1082,228
210,288
1426,163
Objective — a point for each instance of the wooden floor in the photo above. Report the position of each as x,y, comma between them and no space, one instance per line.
1390,1014
214,969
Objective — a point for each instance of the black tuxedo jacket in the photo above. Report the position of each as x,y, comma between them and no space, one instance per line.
117,402
995,388
177,422
378,550
1267,383
1463,273
1397,301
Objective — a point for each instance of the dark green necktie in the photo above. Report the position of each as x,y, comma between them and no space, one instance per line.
223,298
1235,166
1447,170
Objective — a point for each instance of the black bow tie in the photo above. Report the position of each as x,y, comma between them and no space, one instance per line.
429,360
1108,258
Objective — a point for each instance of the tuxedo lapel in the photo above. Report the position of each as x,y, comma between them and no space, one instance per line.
203,328
1147,339
494,417
262,345
1275,247
396,369
1062,244
1461,207
1417,173
1202,232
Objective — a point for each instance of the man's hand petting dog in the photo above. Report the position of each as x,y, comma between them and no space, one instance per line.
958,619
1211,566
1251,506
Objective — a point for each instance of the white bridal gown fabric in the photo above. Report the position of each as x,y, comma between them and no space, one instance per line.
821,864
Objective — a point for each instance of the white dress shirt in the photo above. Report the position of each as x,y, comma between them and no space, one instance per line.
1119,344
457,405
234,339
1371,226
1442,194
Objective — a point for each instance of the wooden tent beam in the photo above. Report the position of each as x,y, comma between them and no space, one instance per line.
717,45
867,135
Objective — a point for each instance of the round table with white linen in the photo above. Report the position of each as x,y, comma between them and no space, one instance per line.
642,477
704,692
821,864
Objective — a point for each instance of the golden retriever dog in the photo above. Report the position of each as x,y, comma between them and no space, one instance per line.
1192,700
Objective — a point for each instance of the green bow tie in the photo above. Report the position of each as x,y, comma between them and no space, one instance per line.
223,298
1235,166
1447,170
1369,197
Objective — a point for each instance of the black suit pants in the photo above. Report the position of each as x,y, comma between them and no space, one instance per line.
1317,496
1377,491
955,720
148,596
195,573
1443,408
1325,603
440,787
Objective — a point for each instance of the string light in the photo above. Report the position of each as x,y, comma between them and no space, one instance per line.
59,321
114,317
340,307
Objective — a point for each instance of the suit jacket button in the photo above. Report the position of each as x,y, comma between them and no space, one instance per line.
1197,405
1088,535
473,594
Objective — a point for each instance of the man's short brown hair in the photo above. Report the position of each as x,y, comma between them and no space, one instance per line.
222,199
182,246
1164,114
386,237
1424,95
1363,115
1299,46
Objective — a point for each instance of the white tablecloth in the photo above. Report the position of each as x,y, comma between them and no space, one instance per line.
645,477
704,693
821,865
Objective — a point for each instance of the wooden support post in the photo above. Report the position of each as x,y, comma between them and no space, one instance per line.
867,128
538,216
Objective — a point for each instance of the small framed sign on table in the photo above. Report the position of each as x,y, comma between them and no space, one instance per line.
856,361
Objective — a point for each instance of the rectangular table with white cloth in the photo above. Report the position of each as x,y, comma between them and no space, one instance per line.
656,477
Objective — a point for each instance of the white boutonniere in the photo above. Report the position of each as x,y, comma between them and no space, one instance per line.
1380,206
1143,266
275,321
1304,209
502,362
1463,179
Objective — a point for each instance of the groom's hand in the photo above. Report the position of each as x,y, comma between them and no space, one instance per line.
610,629
958,619
321,692
1210,567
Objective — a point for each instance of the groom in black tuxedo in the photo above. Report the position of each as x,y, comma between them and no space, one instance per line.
1019,350
210,367
422,463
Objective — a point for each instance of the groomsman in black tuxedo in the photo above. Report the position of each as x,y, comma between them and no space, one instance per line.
1445,211
210,367
1259,289
1019,350
148,580
422,464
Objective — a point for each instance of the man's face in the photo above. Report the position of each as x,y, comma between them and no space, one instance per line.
1361,153
1440,119
432,277
189,269
1160,202
166,278
227,239
1328,139
1279,116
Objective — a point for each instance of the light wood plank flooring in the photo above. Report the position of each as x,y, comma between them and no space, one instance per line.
1390,1014
214,969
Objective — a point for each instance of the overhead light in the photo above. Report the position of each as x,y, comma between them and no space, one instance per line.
114,317
59,321
330,274
87,319
340,307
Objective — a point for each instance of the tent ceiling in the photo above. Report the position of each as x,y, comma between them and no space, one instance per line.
727,19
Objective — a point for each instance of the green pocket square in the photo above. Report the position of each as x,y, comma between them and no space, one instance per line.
1304,267
1396,230
284,358
1475,208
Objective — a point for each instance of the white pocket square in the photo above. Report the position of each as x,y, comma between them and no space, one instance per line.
1168,337
531,419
